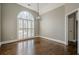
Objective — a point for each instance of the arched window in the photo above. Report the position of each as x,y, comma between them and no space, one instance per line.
25,25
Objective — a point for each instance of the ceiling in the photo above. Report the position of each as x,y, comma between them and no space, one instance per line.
43,7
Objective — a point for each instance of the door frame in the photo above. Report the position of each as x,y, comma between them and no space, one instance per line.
66,26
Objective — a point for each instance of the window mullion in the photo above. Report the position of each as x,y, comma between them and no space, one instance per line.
23,29
27,26
31,28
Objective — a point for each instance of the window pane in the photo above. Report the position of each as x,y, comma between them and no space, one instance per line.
32,32
31,17
25,24
20,23
32,24
20,34
29,33
23,15
27,16
29,24
25,33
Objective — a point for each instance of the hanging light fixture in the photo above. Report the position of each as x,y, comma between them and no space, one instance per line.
38,17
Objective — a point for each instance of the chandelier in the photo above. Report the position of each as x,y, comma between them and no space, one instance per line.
38,16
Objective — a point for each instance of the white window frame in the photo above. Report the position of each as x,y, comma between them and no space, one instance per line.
31,29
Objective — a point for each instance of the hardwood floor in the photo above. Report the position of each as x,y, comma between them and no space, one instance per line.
72,47
37,46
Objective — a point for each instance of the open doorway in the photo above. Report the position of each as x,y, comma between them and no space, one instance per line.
72,32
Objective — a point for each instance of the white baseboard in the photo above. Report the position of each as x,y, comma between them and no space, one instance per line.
37,36
59,41
10,41
72,40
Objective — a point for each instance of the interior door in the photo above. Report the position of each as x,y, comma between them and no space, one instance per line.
71,27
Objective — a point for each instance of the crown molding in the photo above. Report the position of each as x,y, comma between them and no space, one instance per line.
49,9
42,11
26,6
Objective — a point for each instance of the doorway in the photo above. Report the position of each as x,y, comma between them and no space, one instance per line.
73,32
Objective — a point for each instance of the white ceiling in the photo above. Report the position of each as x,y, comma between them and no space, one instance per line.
43,7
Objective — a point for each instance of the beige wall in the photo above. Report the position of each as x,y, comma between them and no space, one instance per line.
52,24
9,20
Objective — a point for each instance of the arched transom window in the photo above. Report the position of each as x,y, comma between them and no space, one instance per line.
25,25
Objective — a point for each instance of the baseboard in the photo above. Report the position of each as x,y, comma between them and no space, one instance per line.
10,41
59,41
37,36
73,40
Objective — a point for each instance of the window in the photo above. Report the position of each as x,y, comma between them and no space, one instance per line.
25,25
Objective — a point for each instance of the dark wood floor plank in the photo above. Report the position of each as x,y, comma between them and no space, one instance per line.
36,46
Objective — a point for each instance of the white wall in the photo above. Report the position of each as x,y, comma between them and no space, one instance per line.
52,24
